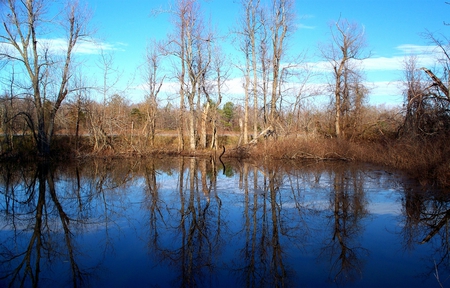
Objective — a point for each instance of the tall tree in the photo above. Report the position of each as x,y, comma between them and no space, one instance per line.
153,85
281,24
47,73
249,33
220,70
190,44
263,33
253,27
347,46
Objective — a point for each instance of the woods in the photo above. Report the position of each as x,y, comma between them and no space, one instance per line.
49,108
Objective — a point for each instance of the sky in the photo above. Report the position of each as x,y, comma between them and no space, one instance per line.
393,30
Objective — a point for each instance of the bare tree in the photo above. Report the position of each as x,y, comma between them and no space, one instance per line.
253,26
153,84
179,42
78,105
197,44
414,94
204,61
263,33
442,83
247,36
265,61
190,45
220,69
427,102
346,47
281,25
45,73
243,123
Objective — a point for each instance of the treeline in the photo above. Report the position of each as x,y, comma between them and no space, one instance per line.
123,128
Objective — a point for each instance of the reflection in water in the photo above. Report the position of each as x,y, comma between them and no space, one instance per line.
197,243
193,220
41,223
43,220
262,253
426,217
348,205
183,222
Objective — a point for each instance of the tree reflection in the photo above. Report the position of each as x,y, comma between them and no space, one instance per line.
41,229
273,224
348,205
43,218
193,223
152,203
426,216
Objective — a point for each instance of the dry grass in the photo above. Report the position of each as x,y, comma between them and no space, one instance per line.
318,149
428,161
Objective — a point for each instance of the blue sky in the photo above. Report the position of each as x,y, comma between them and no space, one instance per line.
393,29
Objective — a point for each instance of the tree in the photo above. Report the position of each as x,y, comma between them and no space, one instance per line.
228,114
346,48
220,69
47,73
153,85
78,106
428,102
247,35
282,22
414,97
191,45
263,34
253,28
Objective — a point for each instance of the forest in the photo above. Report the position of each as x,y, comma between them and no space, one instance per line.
47,110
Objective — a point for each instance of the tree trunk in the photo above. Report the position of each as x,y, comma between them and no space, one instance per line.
245,135
203,140
337,121
77,127
43,141
192,130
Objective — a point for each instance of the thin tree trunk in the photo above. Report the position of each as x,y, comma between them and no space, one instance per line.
192,134
203,140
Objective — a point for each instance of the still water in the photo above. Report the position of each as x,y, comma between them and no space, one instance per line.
190,222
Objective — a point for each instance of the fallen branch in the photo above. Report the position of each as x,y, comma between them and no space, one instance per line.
266,133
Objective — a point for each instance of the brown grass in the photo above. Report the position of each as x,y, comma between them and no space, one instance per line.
428,161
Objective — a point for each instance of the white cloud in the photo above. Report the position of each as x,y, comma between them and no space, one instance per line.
411,49
383,63
425,55
386,88
59,45
234,86
303,26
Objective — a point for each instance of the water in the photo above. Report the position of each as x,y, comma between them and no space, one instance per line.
190,222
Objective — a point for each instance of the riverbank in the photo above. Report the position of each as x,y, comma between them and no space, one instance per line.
427,161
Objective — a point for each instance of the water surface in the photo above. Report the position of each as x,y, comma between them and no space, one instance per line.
189,222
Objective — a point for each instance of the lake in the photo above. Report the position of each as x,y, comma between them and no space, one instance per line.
194,222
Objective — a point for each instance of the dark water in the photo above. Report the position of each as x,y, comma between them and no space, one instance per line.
191,223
